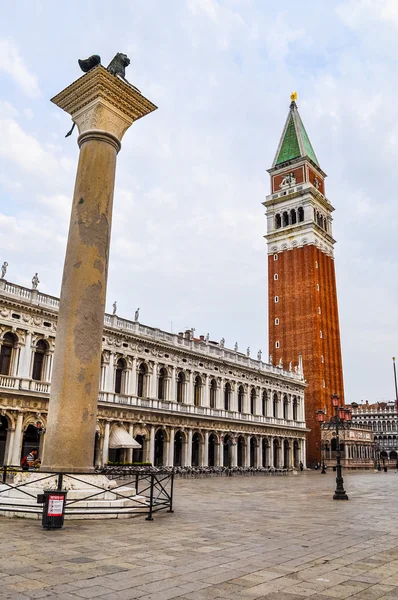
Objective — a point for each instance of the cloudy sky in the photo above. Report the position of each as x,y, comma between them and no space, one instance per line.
187,242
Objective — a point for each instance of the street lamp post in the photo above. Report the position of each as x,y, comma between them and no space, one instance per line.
340,420
323,472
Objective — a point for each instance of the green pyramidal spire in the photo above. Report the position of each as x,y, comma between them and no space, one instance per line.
295,142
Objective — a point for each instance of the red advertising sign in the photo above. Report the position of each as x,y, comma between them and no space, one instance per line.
55,505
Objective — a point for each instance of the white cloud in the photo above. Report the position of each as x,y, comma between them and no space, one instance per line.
12,63
7,110
27,153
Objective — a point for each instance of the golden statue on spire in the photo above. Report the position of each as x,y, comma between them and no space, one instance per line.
293,96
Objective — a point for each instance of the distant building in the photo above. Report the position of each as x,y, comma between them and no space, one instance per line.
356,447
382,418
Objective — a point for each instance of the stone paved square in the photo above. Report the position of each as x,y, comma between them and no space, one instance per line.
274,537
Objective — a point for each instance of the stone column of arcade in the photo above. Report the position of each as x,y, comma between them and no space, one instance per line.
103,105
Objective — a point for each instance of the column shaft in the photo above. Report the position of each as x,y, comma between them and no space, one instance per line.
77,359
17,442
105,447
205,454
171,448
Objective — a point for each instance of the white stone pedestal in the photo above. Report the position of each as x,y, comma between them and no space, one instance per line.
89,502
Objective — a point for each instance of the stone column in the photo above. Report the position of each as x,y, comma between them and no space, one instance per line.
132,391
10,446
26,357
153,392
205,454
189,399
110,374
129,453
206,390
271,452
103,107
171,448
303,453
247,453
233,401
291,453
233,454
48,366
218,453
166,450
151,458
259,450
188,451
17,442
172,390
105,446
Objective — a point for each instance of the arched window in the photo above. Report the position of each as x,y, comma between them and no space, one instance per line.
278,221
285,218
162,383
293,216
197,390
300,213
227,396
388,426
264,401
295,408
384,426
120,376
325,224
9,341
180,387
213,393
379,426
241,393
253,402
285,407
141,381
39,360
275,405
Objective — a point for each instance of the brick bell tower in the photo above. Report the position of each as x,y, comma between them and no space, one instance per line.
302,295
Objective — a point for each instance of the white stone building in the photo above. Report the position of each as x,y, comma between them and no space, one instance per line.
186,401
382,418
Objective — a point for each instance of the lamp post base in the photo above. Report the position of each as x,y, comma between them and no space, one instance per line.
340,495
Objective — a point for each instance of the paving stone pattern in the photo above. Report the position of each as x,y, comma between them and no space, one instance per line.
239,538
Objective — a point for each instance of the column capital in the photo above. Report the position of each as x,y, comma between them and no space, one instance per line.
101,102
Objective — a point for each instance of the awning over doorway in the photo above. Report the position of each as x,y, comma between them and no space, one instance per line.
120,438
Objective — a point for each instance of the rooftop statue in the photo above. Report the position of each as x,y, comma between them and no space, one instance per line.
35,282
4,269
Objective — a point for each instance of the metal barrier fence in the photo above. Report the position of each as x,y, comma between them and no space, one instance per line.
139,492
